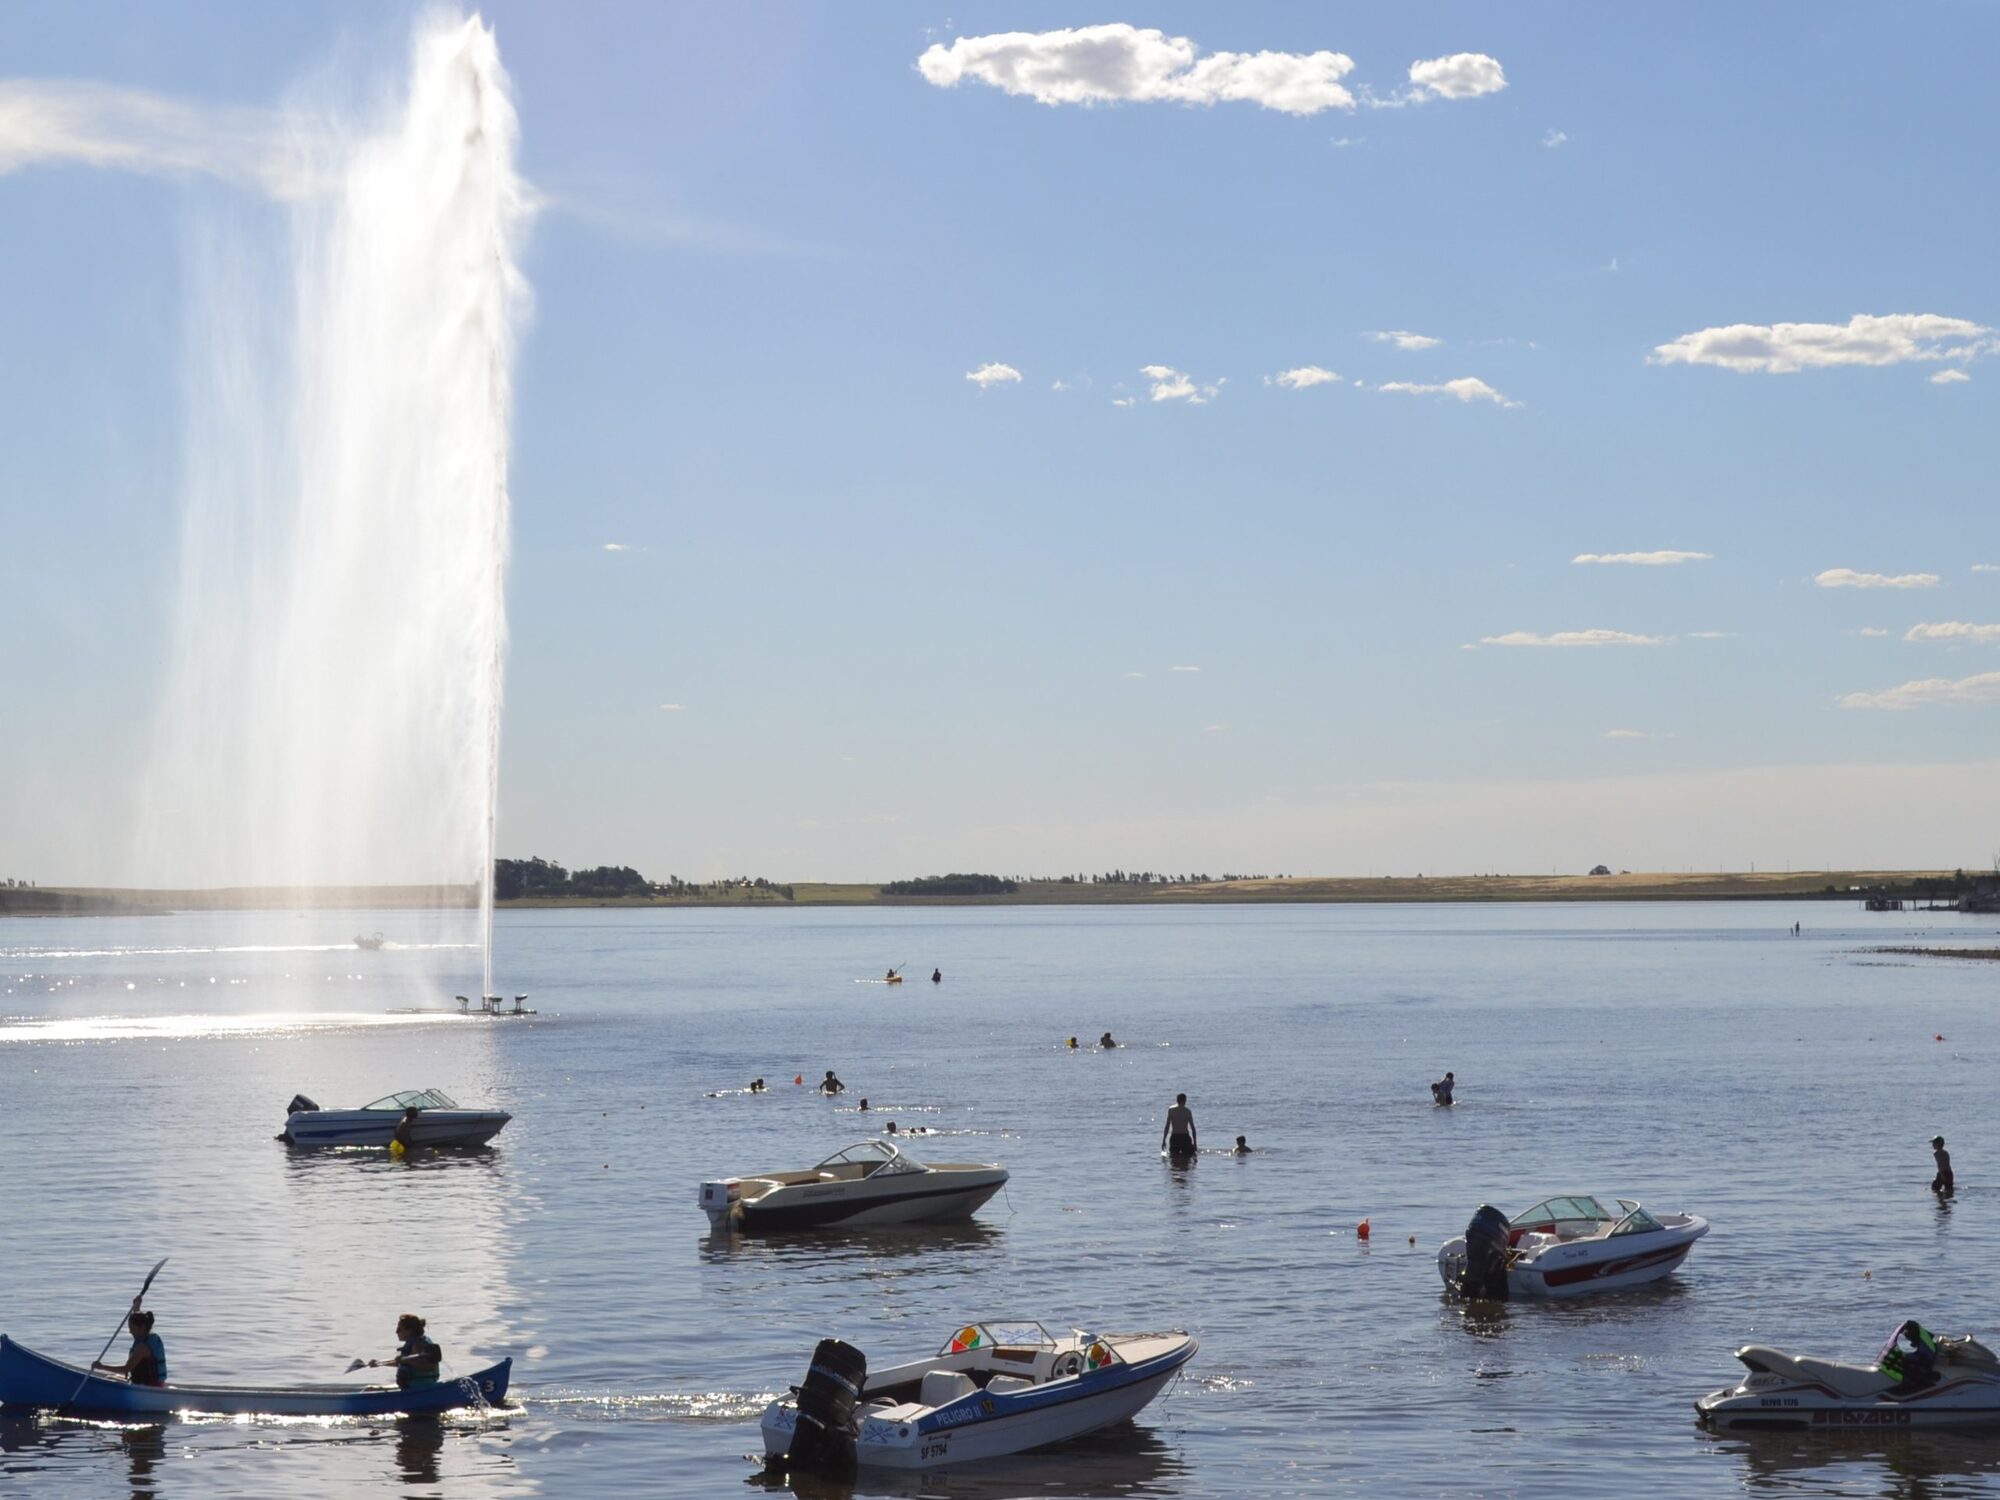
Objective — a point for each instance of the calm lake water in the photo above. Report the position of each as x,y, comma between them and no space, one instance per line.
1697,1056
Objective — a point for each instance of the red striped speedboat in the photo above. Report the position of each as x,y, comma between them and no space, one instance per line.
1567,1247
34,1382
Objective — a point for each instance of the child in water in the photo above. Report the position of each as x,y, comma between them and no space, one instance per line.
1242,1146
1942,1184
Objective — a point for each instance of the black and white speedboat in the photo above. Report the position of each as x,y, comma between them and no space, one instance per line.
869,1183
1919,1380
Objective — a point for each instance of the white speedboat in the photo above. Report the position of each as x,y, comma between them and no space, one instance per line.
994,1389
1933,1382
869,1183
440,1122
1566,1247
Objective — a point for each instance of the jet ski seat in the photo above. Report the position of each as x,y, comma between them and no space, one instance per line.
1847,1380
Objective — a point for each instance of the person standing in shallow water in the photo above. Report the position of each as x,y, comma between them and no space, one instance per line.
937,976
1177,1136
1441,1090
1942,1184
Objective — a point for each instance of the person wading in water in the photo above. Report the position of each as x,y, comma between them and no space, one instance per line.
1942,1184
1177,1136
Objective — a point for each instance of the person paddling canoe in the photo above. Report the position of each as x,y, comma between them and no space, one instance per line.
416,1362
147,1363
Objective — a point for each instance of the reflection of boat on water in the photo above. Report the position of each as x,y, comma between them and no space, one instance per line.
1566,1247
994,1389
832,1246
372,944
31,1381
868,1183
1123,1461
440,1122
1935,1382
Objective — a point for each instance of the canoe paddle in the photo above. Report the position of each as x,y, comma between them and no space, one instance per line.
145,1287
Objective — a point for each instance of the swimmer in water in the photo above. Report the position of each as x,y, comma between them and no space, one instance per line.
830,1085
937,976
1177,1136
890,1128
756,1085
1942,1184
864,1104
1072,1044
1105,1042
1441,1090
1242,1146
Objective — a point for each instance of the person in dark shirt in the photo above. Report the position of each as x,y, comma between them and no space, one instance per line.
937,976
1942,1184
1242,1146
1441,1090
147,1363
1106,1042
417,1361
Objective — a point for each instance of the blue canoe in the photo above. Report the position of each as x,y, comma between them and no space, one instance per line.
34,1382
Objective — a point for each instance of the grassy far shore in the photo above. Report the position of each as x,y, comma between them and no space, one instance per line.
1764,885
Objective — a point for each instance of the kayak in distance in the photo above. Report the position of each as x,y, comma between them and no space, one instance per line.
34,1382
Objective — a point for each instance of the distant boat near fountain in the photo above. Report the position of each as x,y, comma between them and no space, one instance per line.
486,1005
373,944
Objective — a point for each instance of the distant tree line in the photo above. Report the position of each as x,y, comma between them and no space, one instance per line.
952,885
516,879
1148,877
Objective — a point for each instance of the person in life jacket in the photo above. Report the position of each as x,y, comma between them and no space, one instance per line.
417,1361
1915,1367
147,1363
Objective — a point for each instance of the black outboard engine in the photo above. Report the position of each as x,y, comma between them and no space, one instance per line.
299,1103
1486,1255
823,1440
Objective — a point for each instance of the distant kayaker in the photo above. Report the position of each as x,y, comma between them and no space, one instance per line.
830,1085
1242,1146
1105,1042
417,1361
404,1140
1441,1090
147,1363
937,976
1942,1184
1177,1136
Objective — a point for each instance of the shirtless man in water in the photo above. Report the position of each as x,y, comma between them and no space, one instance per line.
1177,1136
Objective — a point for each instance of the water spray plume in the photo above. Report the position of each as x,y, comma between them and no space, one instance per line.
331,702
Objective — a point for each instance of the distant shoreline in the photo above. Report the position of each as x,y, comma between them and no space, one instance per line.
1912,886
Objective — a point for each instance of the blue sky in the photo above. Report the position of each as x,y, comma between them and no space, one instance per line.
914,621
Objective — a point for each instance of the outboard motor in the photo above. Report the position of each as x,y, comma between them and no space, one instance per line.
823,1440
299,1104
1486,1255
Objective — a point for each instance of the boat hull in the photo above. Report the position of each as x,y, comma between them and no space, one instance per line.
1789,1406
1583,1268
314,1128
985,1426
34,1382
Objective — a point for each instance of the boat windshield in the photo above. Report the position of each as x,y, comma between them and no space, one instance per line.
415,1099
1636,1220
1565,1211
875,1158
990,1335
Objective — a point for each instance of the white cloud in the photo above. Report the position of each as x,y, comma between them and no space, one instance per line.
622,547
1872,631
1711,635
1628,734
1170,384
1348,140
1986,567
1949,377
1463,75
1555,138
1124,400
1211,729
1575,638
1663,559
1184,669
1117,61
1786,348
1847,578
994,374
1465,388
1134,676
1301,378
1952,630
1402,338
1982,687
673,708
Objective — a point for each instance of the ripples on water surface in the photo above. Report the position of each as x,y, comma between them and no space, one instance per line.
1696,1056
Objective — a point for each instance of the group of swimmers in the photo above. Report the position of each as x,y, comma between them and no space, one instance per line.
416,1361
1105,1043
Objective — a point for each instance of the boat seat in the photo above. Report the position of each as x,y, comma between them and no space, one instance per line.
1007,1385
1848,1380
942,1387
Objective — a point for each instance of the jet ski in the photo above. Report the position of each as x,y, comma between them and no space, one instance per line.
1919,1380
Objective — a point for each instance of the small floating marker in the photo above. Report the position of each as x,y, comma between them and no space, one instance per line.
1361,1230
1867,1275
1413,1239
1939,1037
800,1079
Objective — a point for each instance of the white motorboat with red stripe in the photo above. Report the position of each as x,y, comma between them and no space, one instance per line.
994,1389
1932,1383
1567,1247
868,1183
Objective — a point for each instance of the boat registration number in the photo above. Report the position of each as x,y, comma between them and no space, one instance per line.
939,1448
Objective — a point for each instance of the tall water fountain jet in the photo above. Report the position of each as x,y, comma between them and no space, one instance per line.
331,704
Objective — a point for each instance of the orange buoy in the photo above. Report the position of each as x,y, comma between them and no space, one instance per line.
1939,1037
1361,1230
800,1079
